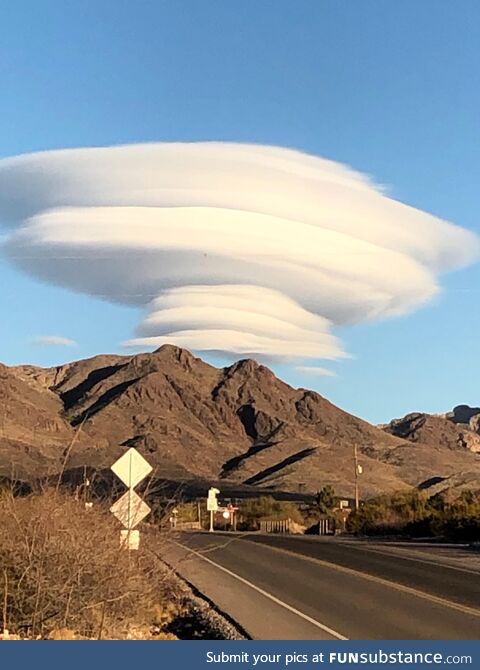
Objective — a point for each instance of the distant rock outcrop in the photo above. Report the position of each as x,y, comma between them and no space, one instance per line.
439,430
462,414
465,416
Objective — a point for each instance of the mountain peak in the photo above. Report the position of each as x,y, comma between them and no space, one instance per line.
247,365
194,421
170,352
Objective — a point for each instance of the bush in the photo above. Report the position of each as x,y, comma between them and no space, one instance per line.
389,514
415,515
63,572
252,510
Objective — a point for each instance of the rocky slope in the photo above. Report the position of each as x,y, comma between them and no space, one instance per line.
191,420
458,430
434,429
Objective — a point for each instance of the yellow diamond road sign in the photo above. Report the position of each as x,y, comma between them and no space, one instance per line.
131,468
130,509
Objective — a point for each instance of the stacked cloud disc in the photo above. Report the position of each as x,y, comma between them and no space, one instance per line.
238,248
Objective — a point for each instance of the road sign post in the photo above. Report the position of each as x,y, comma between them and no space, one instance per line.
131,468
130,539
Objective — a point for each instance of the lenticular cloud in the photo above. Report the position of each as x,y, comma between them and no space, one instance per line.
236,248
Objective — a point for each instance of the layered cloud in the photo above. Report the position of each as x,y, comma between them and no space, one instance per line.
235,248
53,341
314,371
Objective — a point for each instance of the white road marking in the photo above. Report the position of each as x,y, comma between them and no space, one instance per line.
384,550
465,609
387,551
271,597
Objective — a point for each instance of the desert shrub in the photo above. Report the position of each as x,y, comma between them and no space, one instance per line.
252,510
62,569
414,514
389,514
462,520
188,511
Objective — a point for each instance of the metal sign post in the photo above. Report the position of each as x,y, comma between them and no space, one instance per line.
131,468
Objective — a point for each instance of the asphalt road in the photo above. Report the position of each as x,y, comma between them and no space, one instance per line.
284,587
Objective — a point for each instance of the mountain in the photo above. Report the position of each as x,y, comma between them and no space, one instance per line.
438,429
33,432
454,431
240,424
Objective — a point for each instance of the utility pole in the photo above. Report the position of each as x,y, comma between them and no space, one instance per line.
355,459
358,471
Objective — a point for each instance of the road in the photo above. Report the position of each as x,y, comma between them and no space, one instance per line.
287,587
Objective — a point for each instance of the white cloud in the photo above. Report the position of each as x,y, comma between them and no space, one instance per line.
53,341
314,371
228,247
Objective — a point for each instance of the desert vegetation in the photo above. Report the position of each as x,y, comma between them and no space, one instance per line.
415,514
63,573
266,507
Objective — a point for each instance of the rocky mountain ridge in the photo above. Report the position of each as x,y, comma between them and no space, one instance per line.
240,424
458,428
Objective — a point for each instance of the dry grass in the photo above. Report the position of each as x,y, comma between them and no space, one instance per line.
63,573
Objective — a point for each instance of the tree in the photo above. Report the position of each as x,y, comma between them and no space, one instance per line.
326,499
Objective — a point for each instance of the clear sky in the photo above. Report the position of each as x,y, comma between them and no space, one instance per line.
391,89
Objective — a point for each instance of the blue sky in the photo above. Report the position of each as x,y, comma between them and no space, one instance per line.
391,89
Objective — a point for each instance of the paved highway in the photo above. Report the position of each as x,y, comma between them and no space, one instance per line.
286,587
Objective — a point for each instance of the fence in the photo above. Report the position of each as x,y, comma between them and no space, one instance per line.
187,525
276,526
325,527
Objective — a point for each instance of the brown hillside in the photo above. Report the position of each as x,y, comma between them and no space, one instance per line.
240,423
435,430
